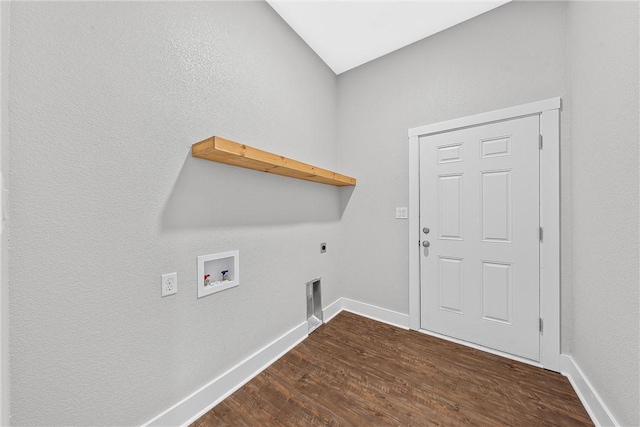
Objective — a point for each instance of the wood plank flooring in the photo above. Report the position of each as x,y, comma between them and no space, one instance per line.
355,371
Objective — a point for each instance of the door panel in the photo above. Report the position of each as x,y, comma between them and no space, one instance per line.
479,196
496,292
450,203
497,207
450,283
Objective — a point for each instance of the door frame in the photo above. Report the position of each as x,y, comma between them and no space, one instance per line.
549,112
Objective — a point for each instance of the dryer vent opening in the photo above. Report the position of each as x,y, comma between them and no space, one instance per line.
314,304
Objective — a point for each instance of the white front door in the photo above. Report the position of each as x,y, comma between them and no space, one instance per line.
480,216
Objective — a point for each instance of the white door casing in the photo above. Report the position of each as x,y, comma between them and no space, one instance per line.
479,197
548,113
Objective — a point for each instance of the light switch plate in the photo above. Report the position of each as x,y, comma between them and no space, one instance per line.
402,212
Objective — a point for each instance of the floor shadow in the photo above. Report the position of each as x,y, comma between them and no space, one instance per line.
209,194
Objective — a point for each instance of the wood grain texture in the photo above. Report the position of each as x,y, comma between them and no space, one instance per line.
359,372
222,150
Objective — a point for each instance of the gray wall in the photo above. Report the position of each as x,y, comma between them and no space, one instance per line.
4,287
512,55
603,108
106,100
584,52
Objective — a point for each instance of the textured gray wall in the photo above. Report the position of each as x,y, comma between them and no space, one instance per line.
603,107
512,55
4,288
106,100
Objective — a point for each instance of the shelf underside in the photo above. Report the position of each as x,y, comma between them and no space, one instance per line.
232,153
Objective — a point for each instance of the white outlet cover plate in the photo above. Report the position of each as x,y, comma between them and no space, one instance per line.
169,284
402,212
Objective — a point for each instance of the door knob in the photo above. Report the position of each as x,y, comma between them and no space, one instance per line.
426,230
426,243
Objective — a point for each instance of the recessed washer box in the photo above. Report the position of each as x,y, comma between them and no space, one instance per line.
217,272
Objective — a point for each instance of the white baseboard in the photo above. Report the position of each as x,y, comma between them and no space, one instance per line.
197,404
597,410
366,310
332,310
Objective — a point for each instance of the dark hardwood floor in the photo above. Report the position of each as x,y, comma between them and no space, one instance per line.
358,372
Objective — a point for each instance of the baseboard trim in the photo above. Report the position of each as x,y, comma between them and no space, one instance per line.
208,396
597,410
332,310
595,407
366,310
198,403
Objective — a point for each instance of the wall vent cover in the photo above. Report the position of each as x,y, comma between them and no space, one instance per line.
314,304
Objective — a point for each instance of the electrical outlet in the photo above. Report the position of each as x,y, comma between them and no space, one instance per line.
323,247
169,284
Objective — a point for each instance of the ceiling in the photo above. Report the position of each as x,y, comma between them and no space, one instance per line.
349,33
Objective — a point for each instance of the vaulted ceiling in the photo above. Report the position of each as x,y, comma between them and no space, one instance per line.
346,34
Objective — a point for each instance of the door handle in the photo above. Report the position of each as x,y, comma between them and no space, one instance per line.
426,243
426,230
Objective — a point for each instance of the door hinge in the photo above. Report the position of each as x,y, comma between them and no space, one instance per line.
540,325
540,142
541,234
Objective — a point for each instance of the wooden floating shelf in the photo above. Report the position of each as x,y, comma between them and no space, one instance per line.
232,153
